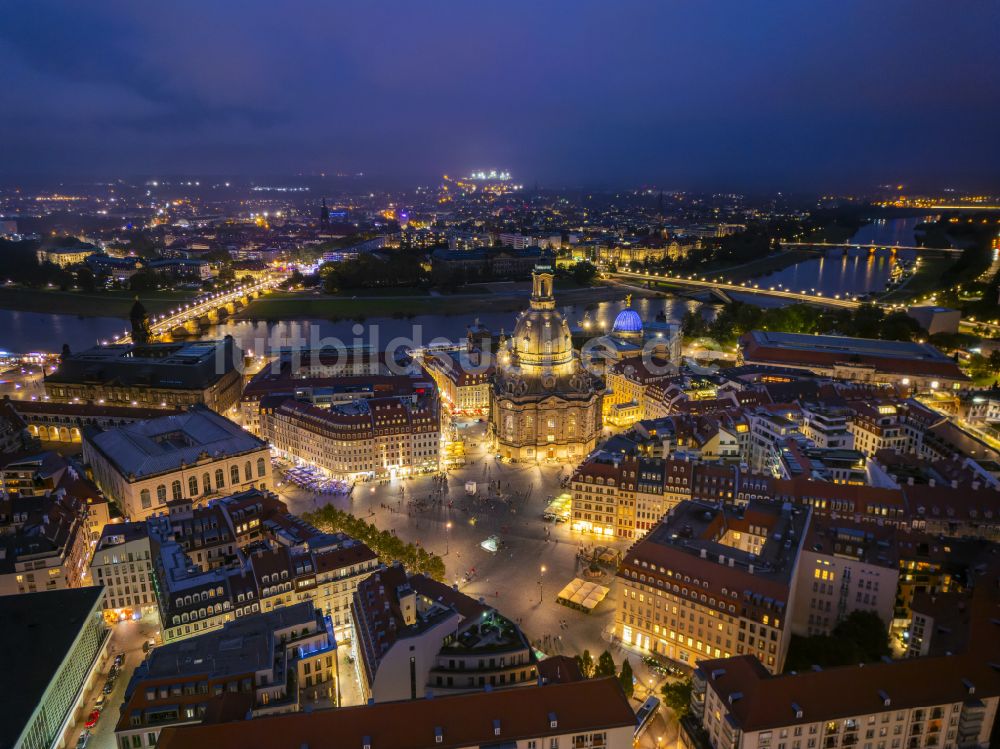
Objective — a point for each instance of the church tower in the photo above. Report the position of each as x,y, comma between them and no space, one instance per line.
324,214
139,319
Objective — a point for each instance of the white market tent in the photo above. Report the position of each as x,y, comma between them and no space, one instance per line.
582,594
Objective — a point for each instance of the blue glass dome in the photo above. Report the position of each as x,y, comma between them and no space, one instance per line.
628,321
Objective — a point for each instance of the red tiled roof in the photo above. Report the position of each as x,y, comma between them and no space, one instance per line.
462,720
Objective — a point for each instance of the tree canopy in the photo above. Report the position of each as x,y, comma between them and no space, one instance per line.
861,637
389,547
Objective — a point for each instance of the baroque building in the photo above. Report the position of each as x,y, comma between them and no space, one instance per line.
544,404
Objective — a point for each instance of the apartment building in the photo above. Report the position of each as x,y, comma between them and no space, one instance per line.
625,496
878,426
844,567
770,428
264,664
123,564
827,427
588,714
464,377
232,557
267,577
393,436
942,702
416,636
46,516
628,382
713,580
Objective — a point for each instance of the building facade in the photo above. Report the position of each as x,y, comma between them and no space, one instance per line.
713,582
123,564
544,405
375,437
151,375
196,454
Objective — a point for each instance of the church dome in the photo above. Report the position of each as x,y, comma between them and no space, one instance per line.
628,321
541,339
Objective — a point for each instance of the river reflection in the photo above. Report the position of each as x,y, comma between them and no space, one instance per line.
31,331
852,272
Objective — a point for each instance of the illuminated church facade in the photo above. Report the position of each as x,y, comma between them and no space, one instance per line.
544,404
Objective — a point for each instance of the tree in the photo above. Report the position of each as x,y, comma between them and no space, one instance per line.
677,696
994,361
583,273
625,678
860,638
85,279
694,325
605,665
586,663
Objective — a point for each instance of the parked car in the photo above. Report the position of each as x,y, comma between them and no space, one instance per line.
101,702
119,659
93,718
82,741
108,686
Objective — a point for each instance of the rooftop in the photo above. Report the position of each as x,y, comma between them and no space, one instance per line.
39,629
194,364
160,445
241,646
502,717
696,542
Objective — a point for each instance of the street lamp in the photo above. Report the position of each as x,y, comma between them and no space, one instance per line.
541,572
447,538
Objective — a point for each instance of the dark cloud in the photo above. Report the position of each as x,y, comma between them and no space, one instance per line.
778,94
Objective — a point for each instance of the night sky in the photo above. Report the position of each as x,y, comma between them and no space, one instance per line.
778,94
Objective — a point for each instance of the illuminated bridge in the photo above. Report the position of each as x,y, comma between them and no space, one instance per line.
707,283
873,247
206,310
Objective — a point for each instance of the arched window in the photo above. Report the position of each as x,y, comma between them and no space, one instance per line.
206,483
248,471
193,486
234,474
175,490
161,494
220,478
260,468
144,498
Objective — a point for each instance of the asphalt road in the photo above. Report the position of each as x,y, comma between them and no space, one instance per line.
126,637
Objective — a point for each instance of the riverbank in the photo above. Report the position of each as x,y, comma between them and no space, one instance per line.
763,266
88,304
288,305
925,279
